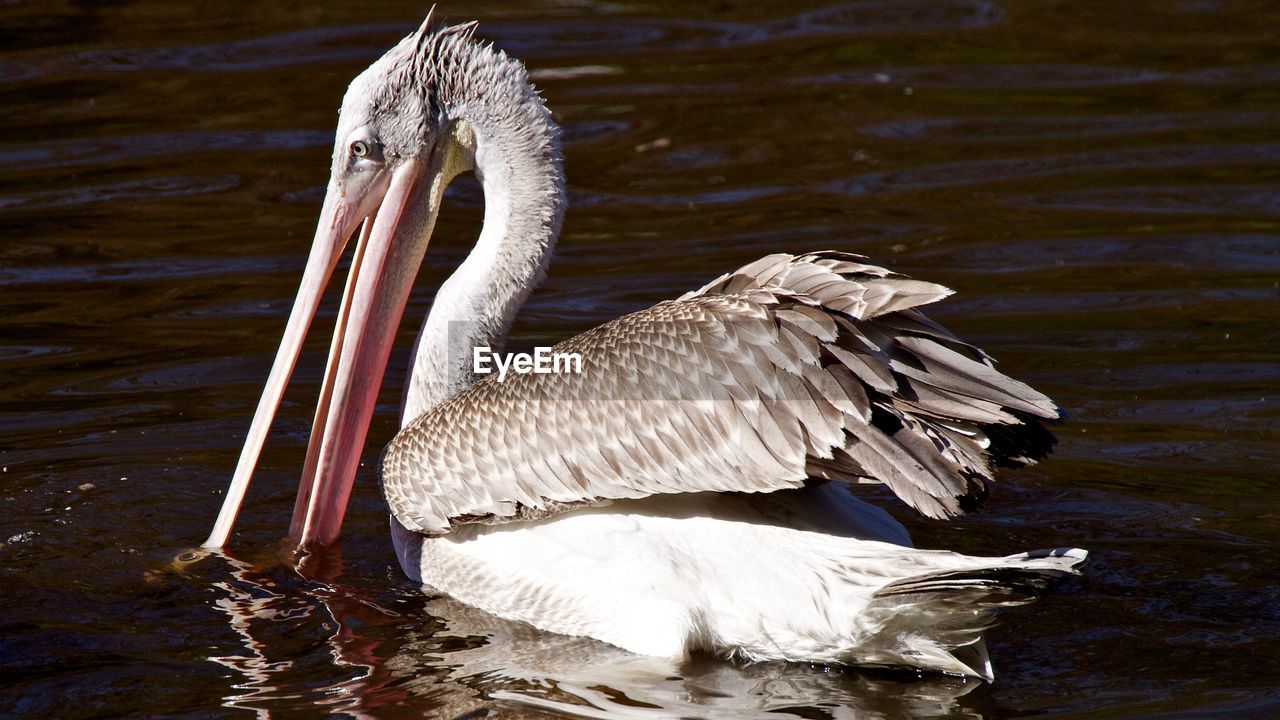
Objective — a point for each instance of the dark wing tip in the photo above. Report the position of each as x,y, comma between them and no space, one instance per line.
1018,445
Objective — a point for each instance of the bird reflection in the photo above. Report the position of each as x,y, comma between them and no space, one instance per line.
587,678
283,608
244,600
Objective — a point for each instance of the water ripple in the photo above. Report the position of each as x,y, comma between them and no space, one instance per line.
160,268
1216,200
1012,127
544,38
1247,75
874,17
75,152
1049,304
302,47
141,190
1221,251
1017,168
881,16
1205,412
684,201
1154,376
1044,76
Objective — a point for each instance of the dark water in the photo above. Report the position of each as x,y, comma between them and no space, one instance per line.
1100,182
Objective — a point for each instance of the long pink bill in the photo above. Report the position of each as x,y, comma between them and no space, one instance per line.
338,218
384,270
326,389
388,253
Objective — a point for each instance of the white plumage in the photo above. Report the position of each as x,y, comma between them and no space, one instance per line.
806,575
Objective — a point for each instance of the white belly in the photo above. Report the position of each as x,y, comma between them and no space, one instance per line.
791,575
782,576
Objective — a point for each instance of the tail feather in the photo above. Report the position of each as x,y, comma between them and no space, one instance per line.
936,619
1023,574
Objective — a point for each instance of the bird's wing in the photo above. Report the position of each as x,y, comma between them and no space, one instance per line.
792,367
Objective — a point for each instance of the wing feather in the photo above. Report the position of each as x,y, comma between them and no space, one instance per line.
792,367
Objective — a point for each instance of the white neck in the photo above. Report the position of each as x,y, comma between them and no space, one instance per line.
518,163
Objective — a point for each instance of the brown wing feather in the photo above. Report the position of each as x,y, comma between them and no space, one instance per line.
792,367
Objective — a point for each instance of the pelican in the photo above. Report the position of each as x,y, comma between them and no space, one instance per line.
690,490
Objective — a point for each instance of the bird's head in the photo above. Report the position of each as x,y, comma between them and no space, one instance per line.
396,149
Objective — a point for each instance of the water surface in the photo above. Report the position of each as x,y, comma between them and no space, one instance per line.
1098,181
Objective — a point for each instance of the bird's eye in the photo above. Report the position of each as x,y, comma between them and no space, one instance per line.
360,148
